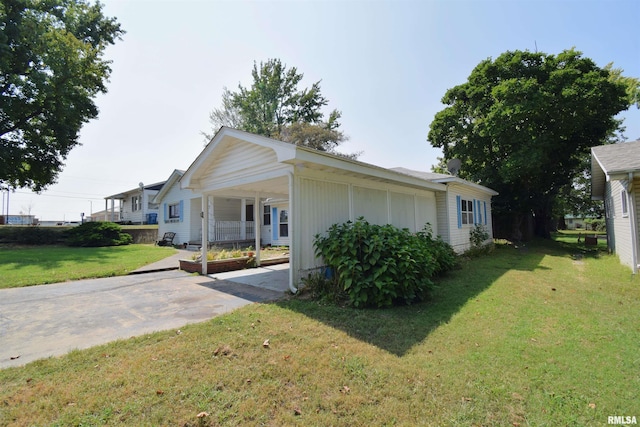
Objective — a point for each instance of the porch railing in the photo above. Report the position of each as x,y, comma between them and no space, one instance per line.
224,231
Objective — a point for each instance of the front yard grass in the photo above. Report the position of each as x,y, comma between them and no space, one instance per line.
37,265
544,334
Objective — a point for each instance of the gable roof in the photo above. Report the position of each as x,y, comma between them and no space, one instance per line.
297,156
173,178
613,161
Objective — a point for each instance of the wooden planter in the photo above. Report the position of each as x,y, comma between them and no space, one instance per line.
217,266
231,264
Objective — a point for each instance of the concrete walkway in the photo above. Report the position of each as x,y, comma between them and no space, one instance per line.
51,320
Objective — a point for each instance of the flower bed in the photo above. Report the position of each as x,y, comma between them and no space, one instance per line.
216,266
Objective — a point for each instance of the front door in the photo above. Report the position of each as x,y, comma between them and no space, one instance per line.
280,225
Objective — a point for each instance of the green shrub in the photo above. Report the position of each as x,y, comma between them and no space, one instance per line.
379,265
596,224
98,234
31,235
478,235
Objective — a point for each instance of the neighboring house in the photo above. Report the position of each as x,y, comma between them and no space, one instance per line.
134,206
106,215
298,192
615,178
576,222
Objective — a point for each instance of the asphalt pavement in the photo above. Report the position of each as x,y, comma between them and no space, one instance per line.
51,320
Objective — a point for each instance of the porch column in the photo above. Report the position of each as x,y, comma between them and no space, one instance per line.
243,218
204,215
257,218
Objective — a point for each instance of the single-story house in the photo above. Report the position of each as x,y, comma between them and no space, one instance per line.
134,206
615,178
295,193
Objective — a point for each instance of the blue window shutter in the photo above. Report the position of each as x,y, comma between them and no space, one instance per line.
459,207
485,213
475,211
181,210
166,212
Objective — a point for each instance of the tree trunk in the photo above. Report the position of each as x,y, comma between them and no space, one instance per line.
543,222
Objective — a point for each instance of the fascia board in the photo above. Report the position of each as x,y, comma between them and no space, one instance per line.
335,162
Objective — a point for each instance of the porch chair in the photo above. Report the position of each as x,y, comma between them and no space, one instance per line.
167,239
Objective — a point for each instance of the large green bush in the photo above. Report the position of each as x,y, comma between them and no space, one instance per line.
98,234
379,265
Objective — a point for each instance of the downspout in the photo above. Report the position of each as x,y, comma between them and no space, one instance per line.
292,227
633,222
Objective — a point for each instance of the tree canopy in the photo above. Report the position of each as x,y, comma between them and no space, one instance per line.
523,123
51,68
275,106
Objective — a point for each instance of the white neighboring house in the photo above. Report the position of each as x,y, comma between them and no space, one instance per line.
134,206
303,192
615,178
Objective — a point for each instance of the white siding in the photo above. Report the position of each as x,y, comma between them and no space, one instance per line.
442,216
240,160
621,224
403,210
323,204
371,204
427,211
183,229
459,235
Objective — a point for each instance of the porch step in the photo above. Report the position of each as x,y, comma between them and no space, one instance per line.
193,247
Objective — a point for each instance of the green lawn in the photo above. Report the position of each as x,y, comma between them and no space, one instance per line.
36,265
544,334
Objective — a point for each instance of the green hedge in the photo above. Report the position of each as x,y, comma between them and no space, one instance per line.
380,265
32,235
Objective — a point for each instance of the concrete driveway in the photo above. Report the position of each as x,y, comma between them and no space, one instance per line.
51,320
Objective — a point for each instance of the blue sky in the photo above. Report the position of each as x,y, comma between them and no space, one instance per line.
384,64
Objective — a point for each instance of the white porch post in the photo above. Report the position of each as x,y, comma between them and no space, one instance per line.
257,217
243,218
293,259
113,207
205,231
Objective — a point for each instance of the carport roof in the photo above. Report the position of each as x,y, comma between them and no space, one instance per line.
297,156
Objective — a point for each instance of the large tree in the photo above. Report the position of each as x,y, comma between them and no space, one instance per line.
51,68
276,107
522,125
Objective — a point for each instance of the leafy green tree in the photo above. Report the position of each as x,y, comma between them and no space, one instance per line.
522,124
274,106
51,68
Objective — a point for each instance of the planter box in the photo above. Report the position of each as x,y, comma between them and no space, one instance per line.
217,266
231,264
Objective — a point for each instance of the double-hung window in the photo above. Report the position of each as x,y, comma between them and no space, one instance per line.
466,210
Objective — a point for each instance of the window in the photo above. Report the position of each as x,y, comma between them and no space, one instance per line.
623,199
466,210
174,211
284,223
136,203
266,215
248,213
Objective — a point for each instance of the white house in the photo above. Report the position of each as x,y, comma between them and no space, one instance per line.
615,178
135,206
298,192
231,218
